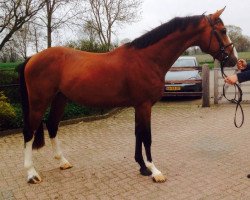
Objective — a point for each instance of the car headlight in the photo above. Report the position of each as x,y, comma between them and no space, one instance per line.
193,78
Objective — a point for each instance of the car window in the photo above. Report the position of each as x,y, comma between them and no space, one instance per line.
184,63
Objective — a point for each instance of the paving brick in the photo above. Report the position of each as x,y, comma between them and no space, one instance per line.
199,150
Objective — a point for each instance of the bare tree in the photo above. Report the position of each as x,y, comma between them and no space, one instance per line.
241,42
9,52
22,39
103,16
14,14
37,37
58,13
89,32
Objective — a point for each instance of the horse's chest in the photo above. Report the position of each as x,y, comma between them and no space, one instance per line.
147,89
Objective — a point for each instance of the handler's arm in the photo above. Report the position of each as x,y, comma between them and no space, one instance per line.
244,76
247,68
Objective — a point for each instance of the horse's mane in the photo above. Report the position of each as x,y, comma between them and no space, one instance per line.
155,35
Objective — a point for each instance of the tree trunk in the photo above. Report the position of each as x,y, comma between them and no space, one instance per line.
49,33
7,38
36,40
49,28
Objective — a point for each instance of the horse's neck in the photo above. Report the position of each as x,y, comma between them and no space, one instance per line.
166,51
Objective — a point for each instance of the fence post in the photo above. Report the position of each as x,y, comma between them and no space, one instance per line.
205,86
216,86
216,81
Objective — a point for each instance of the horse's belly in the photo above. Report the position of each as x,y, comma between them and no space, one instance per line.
97,94
101,100
104,87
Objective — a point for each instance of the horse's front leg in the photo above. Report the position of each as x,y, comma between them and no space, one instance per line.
143,135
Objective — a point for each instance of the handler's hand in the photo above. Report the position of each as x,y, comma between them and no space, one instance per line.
231,79
241,64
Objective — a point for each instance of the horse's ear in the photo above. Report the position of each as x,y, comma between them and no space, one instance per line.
217,14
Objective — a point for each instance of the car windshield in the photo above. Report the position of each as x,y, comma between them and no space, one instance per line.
184,63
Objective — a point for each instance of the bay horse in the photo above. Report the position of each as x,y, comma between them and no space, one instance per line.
131,75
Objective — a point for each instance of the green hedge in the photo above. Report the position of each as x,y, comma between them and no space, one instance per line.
210,64
7,112
8,77
9,65
14,118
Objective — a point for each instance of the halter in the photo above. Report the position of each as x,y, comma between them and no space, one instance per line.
225,56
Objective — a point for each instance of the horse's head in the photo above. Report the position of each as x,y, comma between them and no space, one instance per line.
216,42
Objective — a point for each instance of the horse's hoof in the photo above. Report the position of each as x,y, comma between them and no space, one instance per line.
145,172
35,179
160,178
66,166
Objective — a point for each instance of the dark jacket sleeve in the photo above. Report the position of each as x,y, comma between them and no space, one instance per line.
244,75
247,68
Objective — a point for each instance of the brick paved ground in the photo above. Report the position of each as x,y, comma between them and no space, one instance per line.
198,149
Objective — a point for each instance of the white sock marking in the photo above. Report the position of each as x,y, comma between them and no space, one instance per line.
28,163
57,151
152,168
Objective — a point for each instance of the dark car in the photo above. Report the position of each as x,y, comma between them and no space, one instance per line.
184,78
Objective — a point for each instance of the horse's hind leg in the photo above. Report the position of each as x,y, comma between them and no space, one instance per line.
55,115
33,134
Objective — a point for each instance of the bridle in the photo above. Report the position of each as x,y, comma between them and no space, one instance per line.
224,59
222,48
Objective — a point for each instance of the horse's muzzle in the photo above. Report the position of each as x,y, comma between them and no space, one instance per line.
231,61
232,58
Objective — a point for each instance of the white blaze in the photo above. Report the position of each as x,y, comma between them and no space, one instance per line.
234,49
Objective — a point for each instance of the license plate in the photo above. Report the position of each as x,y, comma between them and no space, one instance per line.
173,88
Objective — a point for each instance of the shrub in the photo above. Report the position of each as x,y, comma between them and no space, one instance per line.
7,112
17,121
71,111
8,77
88,45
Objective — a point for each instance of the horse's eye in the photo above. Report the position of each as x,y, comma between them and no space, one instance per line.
224,31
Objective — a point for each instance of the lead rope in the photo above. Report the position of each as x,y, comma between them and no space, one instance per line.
234,100
236,86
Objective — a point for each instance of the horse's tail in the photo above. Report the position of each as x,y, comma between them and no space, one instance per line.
39,141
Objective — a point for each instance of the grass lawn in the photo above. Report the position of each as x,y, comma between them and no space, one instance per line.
245,55
9,65
206,58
